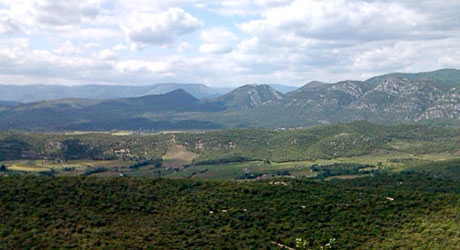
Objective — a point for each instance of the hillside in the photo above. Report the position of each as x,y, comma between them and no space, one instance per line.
248,97
389,99
120,213
323,142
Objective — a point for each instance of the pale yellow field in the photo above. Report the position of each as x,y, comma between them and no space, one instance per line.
178,152
346,177
85,132
122,133
28,168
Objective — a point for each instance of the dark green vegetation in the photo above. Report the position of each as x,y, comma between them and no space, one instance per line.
397,211
233,154
369,186
425,98
339,169
323,142
15,146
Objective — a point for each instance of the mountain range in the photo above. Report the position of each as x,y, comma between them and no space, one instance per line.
430,97
35,93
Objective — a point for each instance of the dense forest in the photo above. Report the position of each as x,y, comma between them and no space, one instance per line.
404,211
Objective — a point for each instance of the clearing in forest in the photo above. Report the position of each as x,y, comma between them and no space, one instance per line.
177,156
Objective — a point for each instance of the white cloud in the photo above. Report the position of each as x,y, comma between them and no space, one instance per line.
67,48
243,7
217,35
7,25
216,48
141,66
339,20
107,54
337,39
92,34
217,40
91,45
52,13
120,46
144,29
285,41
184,47
62,13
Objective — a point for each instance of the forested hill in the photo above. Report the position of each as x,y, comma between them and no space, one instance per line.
423,98
405,211
323,142
125,113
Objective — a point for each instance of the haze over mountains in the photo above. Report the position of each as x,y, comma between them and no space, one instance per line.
35,93
432,97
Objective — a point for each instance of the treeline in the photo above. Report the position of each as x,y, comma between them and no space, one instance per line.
338,169
229,159
157,163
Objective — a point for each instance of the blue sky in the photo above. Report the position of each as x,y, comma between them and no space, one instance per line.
223,43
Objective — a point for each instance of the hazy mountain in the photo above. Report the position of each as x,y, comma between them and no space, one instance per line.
248,97
431,97
123,113
197,90
9,104
34,93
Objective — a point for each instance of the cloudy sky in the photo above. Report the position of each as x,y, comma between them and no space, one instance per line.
223,43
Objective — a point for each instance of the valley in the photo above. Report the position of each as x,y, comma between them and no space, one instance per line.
231,154
357,185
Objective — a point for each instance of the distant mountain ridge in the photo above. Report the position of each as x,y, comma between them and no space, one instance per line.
34,93
429,98
122,113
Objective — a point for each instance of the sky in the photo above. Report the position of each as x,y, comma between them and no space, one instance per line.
224,43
